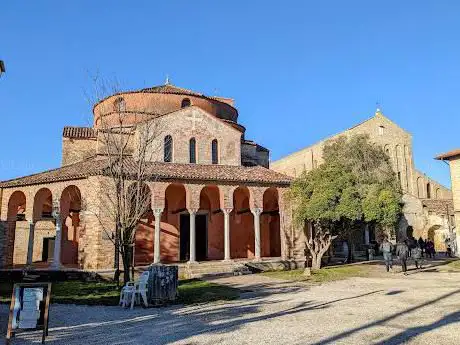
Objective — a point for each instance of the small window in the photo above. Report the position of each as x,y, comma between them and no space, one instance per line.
215,152
185,103
381,130
119,104
168,149
428,191
399,176
192,149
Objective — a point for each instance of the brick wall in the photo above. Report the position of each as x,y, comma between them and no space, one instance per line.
207,128
75,150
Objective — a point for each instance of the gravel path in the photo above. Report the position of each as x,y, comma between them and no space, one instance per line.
422,308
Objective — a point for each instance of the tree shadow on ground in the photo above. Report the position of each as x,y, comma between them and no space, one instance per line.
412,332
113,325
403,337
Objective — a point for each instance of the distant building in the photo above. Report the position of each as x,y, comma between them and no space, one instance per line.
453,157
428,204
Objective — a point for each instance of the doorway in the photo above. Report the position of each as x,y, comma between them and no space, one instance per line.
201,234
48,249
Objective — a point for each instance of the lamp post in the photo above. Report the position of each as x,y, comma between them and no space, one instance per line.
2,67
56,264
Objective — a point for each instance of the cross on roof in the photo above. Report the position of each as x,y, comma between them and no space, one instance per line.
194,118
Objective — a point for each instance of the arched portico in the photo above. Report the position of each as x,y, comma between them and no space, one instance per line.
70,207
16,213
141,201
242,225
173,243
270,227
44,234
210,225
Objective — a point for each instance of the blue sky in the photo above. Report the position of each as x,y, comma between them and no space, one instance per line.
298,70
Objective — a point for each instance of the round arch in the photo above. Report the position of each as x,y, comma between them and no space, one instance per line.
241,225
209,225
43,204
140,198
270,228
174,240
16,212
70,207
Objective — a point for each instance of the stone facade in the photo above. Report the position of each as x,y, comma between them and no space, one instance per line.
453,157
397,143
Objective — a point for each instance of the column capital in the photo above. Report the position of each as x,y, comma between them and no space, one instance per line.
227,210
157,211
256,211
31,222
193,210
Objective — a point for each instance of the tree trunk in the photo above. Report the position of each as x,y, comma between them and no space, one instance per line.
116,264
316,262
350,244
126,263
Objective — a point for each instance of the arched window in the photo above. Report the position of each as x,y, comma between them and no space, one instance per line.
215,152
428,191
192,150
185,103
119,104
168,148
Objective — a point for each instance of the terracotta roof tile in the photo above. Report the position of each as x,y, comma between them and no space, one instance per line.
161,171
78,132
448,155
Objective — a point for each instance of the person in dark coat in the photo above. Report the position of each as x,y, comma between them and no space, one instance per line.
387,250
417,256
421,244
402,251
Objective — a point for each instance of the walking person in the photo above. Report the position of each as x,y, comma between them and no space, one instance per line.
402,252
417,256
387,248
421,244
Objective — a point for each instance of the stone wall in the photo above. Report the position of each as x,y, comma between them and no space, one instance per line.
455,178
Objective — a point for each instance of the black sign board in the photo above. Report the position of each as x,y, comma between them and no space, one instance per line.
29,309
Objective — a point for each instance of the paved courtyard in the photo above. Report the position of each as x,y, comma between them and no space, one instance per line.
422,308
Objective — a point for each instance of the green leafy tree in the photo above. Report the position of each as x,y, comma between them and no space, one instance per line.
355,185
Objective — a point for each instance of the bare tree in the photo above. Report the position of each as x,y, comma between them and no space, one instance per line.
128,147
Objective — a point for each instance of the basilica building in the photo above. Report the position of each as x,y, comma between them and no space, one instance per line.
428,207
213,197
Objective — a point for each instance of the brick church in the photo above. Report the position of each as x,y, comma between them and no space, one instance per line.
212,194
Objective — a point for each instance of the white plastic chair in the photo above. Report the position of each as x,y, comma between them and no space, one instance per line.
132,292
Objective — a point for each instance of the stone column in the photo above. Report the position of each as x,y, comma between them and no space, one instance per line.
227,233
30,247
156,246
192,257
256,212
56,264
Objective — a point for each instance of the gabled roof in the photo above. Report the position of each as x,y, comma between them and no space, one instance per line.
157,171
306,148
